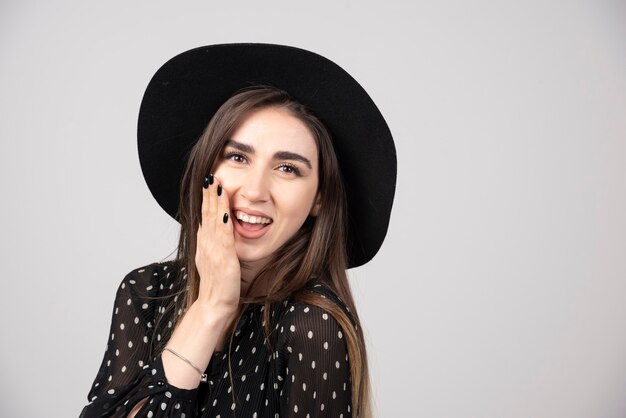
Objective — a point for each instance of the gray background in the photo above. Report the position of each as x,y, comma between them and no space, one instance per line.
500,289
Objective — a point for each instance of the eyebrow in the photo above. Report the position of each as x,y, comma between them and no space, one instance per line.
279,155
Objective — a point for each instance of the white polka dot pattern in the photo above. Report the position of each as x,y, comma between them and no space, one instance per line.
306,373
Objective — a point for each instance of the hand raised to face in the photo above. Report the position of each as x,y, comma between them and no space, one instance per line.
216,258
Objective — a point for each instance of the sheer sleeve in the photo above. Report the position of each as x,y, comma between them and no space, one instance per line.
128,372
315,370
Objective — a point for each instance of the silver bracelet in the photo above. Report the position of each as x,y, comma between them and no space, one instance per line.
203,376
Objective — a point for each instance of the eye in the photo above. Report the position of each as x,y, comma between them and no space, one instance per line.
235,156
289,169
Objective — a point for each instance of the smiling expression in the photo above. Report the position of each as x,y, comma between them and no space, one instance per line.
269,167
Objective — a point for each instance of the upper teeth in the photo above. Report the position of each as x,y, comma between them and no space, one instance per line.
252,219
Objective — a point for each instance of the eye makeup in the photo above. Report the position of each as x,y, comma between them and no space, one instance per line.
238,157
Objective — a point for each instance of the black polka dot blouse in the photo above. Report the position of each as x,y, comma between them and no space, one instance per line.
305,374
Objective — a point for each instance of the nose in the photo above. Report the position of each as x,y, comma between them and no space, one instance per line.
254,187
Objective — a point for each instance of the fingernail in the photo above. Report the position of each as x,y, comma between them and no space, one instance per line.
205,183
210,178
219,189
225,217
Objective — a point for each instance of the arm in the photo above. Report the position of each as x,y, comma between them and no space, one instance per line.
211,314
129,371
196,334
167,386
316,372
129,375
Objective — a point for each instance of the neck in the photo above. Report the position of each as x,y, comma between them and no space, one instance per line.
249,271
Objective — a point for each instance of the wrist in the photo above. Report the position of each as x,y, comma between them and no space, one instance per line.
211,316
198,334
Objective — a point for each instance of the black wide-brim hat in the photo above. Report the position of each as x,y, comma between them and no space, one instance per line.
188,89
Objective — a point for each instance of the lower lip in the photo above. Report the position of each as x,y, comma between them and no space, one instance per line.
249,234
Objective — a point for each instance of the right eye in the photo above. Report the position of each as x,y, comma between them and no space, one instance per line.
235,156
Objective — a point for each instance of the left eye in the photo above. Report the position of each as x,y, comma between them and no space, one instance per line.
290,169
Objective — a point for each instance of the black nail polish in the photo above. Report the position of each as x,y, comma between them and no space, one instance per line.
219,189
225,218
205,183
210,178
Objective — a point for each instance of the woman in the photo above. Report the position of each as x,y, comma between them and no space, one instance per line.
255,316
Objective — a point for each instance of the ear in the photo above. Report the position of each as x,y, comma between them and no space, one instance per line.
316,206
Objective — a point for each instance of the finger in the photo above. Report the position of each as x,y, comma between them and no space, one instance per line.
204,213
211,198
224,221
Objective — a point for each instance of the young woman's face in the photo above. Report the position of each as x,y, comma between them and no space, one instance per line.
269,168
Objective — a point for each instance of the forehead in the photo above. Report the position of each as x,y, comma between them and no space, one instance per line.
274,129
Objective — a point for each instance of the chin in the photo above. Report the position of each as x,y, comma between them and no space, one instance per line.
247,256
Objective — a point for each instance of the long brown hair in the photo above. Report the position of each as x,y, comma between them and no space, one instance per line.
318,249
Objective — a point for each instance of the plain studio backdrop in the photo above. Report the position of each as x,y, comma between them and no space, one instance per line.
500,290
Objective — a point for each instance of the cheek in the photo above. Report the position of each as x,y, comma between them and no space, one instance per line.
220,171
297,203
226,177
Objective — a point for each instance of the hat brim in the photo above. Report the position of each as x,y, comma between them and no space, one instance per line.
187,90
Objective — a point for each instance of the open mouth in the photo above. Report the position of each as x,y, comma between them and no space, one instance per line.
251,223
